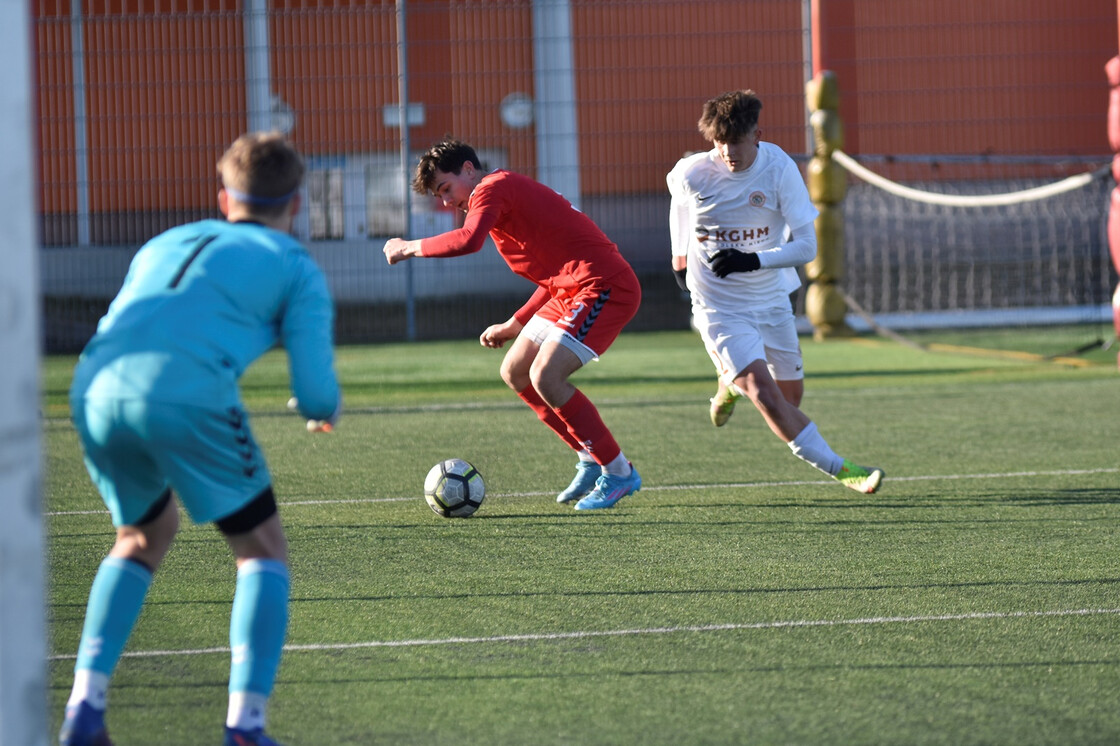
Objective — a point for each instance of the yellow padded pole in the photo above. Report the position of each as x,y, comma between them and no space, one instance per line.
828,184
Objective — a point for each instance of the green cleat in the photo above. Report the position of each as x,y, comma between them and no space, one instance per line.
723,404
859,478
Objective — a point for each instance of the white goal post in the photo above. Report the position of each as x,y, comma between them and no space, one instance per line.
23,716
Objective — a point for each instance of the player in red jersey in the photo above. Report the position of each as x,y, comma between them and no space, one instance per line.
586,293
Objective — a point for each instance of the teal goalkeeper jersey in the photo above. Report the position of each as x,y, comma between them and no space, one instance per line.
200,303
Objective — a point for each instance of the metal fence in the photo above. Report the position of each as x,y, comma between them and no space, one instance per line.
136,101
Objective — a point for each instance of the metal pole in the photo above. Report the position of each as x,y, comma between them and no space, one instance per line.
402,88
555,100
81,143
807,64
258,84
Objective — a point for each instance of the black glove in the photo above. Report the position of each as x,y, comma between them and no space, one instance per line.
726,261
679,274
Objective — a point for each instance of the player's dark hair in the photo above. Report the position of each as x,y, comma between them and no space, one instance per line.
447,155
263,171
730,117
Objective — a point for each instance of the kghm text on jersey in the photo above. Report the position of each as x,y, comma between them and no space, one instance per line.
731,235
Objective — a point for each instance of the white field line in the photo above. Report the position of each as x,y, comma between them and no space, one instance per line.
680,487
581,635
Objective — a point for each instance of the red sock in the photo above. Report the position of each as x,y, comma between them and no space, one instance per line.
587,426
549,417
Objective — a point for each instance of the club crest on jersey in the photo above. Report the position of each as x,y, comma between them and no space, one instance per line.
757,199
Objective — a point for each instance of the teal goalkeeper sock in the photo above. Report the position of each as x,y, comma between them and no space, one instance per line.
115,600
257,625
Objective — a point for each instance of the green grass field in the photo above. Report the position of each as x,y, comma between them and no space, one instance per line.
739,598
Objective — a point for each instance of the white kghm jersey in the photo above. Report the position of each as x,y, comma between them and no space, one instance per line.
713,208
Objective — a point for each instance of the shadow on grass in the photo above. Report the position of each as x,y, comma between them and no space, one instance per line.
356,655
598,675
1073,496
650,592
726,591
1029,497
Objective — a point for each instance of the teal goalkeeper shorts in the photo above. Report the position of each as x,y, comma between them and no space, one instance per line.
134,450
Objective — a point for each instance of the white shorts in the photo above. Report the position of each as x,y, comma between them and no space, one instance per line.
734,341
541,330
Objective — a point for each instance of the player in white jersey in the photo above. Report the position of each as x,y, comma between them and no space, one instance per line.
741,221
155,402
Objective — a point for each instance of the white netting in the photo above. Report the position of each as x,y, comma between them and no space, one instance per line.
968,200
1025,250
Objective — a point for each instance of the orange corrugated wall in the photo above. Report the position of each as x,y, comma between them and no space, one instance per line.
1037,89
166,82
164,92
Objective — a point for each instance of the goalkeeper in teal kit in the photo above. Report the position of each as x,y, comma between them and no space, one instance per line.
156,404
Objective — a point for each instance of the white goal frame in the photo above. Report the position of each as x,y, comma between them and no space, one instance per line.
23,715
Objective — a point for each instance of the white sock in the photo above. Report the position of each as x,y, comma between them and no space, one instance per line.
620,467
89,686
246,710
585,455
810,447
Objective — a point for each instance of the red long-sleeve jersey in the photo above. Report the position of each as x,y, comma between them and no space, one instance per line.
539,234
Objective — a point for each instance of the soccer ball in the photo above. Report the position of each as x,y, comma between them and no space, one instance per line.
454,488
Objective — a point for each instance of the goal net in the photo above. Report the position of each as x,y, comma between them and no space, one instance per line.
944,244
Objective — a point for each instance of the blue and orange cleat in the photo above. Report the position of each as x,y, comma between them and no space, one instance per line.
84,726
587,473
255,737
609,489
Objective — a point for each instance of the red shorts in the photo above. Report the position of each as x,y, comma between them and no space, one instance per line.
597,314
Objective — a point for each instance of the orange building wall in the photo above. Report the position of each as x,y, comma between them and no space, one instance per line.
163,92
642,77
54,78
166,82
1000,84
